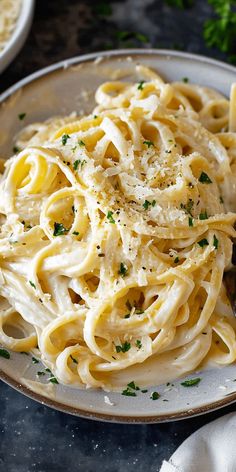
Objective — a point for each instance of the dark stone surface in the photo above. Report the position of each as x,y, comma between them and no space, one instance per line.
34,437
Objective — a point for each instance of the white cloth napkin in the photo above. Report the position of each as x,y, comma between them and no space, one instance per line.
210,449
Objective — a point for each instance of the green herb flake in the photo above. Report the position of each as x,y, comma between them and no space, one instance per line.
148,143
21,116
40,372
53,380
191,382
203,215
34,360
76,233
155,396
73,359
123,271
144,391
32,284
48,370
190,221
203,242
140,85
185,80
59,229
64,139
76,164
133,386
221,200
147,204
81,143
138,344
129,393
110,217
204,178
124,347
176,260
4,353
215,242
16,149
127,315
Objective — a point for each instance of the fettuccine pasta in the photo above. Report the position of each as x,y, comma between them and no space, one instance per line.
116,230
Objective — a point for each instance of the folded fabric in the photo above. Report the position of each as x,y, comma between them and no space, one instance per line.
210,449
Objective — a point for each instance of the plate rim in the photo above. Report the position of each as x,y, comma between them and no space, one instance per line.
57,405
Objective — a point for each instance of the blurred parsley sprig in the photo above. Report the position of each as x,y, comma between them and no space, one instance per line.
218,32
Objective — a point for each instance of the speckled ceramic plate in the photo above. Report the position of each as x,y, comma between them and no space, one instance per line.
70,86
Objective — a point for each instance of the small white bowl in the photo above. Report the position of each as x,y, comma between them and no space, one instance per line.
19,34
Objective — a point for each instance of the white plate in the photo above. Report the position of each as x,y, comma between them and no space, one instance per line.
70,86
19,35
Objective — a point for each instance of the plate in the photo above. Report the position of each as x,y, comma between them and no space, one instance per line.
19,35
60,89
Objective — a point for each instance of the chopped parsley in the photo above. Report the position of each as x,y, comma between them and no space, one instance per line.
140,85
81,143
40,372
4,353
59,229
32,284
133,386
73,359
221,200
21,116
16,149
155,396
148,143
191,382
34,360
215,242
124,347
76,164
144,391
76,233
130,390
123,271
110,217
95,117
185,80
147,204
53,380
138,344
64,139
129,393
204,178
127,315
203,242
176,260
190,221
203,215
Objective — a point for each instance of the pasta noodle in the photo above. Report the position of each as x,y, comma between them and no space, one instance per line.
9,12
116,230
